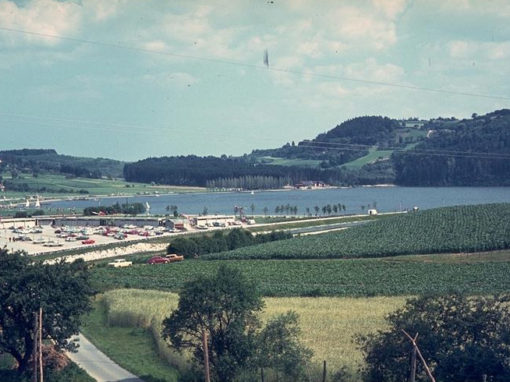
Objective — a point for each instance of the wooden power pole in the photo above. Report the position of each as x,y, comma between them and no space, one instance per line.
206,357
40,347
34,347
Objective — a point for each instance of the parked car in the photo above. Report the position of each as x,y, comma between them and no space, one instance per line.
173,257
89,241
119,263
158,260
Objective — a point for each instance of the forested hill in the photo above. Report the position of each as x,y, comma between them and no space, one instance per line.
48,160
346,142
471,152
364,150
223,172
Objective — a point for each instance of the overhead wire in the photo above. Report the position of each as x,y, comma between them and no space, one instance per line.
311,144
257,66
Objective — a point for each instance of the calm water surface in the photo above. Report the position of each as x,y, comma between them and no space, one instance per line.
386,199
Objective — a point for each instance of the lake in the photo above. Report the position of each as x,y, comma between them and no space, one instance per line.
356,200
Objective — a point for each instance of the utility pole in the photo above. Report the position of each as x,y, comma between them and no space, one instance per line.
415,345
34,348
412,375
206,357
40,347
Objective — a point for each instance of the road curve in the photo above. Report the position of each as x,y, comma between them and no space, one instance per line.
98,365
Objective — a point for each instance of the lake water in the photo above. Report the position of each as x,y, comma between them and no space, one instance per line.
385,199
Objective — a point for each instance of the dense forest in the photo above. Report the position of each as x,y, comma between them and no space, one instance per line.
471,152
201,171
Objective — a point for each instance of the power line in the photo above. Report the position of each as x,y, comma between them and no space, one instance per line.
312,144
256,66
460,154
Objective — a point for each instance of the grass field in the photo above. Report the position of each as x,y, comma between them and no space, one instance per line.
329,326
314,163
392,276
54,185
372,156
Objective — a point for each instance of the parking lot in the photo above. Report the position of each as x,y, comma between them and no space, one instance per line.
36,240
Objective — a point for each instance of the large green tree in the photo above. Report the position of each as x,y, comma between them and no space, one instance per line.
461,338
223,307
63,292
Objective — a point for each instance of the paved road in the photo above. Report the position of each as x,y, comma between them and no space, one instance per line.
98,365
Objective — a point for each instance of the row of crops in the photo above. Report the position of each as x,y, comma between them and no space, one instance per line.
450,229
350,277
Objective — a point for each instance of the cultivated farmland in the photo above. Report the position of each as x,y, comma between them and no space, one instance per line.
441,230
403,275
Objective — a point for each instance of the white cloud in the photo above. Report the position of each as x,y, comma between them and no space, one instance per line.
390,8
103,9
155,46
42,18
477,50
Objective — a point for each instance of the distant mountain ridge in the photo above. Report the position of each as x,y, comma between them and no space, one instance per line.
363,150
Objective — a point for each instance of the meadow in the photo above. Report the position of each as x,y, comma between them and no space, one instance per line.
440,230
329,326
56,185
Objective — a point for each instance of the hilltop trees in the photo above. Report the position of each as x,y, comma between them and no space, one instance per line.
62,291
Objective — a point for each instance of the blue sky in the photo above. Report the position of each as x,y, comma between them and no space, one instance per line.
130,79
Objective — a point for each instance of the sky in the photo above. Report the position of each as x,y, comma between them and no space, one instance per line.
132,79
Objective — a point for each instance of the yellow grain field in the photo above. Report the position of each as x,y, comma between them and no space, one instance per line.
329,324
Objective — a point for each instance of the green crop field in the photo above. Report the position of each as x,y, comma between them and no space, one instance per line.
393,276
441,230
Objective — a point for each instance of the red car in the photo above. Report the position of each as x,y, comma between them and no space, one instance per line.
158,260
89,241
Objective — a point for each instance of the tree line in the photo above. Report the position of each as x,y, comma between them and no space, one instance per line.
117,208
249,182
198,171
219,242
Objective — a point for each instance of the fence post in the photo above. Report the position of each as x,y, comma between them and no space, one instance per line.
324,372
